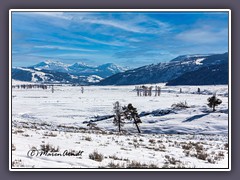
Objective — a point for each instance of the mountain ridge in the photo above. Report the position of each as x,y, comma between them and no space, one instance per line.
57,72
79,68
164,72
174,72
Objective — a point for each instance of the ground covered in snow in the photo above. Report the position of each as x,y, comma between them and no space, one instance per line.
171,137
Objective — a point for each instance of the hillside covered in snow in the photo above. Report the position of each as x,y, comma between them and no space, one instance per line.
175,70
58,72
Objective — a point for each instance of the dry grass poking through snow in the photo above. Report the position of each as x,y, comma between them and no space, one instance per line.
96,156
114,150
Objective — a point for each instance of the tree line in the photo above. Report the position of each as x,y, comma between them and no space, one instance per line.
32,86
148,90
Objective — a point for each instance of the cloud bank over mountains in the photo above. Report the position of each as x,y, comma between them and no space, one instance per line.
125,38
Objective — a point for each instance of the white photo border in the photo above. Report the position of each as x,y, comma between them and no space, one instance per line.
118,10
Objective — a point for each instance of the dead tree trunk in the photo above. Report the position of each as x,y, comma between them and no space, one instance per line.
119,123
135,122
214,108
137,128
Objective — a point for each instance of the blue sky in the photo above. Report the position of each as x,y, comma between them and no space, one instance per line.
126,38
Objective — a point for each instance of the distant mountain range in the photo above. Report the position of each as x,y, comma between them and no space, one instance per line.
80,68
58,72
183,70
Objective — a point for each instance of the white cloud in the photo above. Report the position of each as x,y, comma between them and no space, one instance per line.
59,15
204,36
111,43
64,48
123,25
126,22
131,24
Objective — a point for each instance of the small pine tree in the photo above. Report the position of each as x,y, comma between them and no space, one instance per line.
198,90
131,113
213,102
118,120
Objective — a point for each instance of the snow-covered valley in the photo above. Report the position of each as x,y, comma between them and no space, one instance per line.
190,137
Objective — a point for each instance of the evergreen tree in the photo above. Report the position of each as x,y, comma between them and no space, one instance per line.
213,102
198,90
131,113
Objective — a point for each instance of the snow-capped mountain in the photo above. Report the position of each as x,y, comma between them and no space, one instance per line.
183,70
46,76
189,57
93,79
103,70
111,68
58,72
79,68
52,66
164,72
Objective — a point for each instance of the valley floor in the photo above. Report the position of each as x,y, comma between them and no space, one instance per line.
191,137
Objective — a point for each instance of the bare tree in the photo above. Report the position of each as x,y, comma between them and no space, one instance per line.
156,89
118,119
82,89
138,91
150,91
159,90
52,89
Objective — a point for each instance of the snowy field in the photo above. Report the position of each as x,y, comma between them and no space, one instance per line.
192,137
